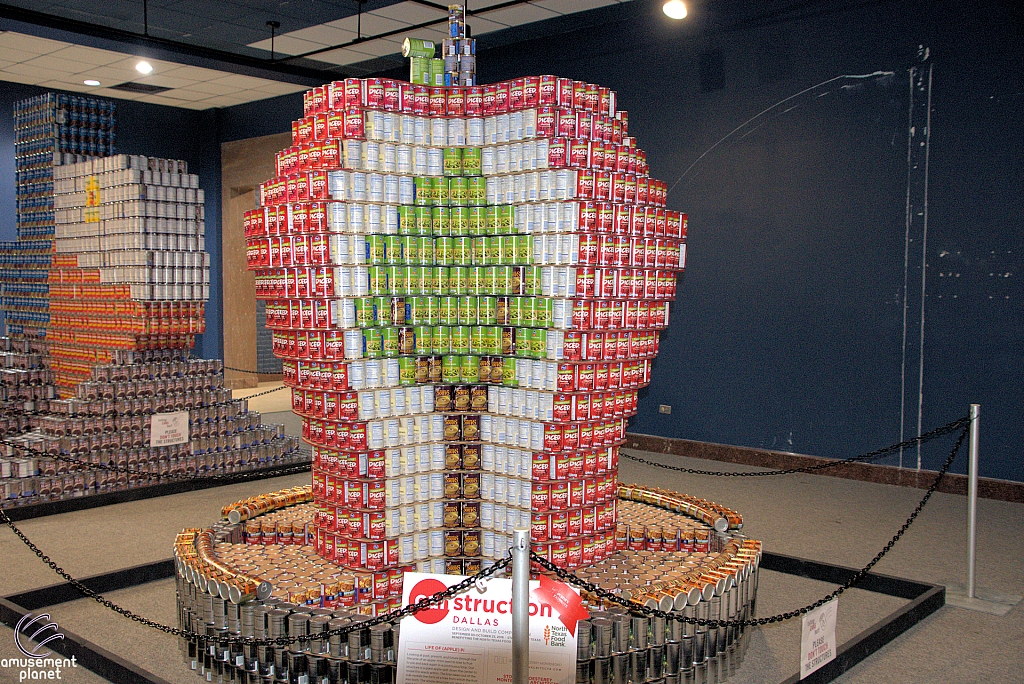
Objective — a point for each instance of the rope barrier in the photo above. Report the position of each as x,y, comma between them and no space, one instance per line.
941,431
644,611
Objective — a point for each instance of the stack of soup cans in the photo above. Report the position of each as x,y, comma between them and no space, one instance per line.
465,285
130,271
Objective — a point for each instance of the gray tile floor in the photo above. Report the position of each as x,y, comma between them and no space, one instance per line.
828,519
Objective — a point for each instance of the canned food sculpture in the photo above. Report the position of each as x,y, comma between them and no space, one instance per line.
465,285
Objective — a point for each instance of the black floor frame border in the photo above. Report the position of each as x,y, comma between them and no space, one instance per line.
39,510
924,599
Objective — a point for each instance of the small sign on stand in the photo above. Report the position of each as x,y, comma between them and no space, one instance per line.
468,639
168,429
818,640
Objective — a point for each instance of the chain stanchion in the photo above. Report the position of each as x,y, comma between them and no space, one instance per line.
857,577
941,431
389,617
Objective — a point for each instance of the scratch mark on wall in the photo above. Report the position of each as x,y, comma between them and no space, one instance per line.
878,76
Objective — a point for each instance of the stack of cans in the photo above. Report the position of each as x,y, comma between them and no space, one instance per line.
466,298
458,50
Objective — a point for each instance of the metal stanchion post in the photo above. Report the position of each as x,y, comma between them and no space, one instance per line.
521,606
972,497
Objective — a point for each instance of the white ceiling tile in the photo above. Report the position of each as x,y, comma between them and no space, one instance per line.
278,88
410,13
372,24
165,81
6,75
239,81
324,34
48,62
436,34
481,25
9,54
87,55
379,47
37,73
519,14
343,56
209,88
477,5
29,44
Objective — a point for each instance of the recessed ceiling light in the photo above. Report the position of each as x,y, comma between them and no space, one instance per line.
675,9
91,82
145,67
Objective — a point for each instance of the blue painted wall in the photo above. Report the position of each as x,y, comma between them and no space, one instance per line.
788,328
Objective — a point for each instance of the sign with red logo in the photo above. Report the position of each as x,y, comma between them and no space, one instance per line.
470,635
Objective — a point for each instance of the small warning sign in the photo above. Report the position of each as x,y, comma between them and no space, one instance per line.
168,429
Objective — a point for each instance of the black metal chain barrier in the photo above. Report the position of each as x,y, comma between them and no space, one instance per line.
941,431
243,370
390,617
110,467
644,611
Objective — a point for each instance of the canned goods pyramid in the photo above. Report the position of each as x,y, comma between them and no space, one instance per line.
466,287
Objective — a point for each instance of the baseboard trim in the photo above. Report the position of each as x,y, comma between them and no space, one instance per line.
988,488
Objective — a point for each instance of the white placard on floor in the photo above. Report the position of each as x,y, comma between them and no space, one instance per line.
818,639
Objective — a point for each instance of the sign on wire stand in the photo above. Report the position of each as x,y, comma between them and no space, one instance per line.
468,639
818,639
168,429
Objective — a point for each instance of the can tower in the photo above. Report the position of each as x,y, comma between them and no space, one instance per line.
465,285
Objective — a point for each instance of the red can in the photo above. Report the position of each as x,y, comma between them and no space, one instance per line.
540,497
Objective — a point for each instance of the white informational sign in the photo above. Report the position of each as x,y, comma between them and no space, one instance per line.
468,639
168,429
818,641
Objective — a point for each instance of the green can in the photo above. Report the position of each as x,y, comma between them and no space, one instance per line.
458,280
444,250
426,279
432,310
460,220
478,250
492,214
490,280
477,280
460,339
425,250
448,310
493,339
378,249
538,343
529,312
523,250
423,340
451,369
389,341
515,311
470,370
467,310
503,280
403,278
495,250
441,192
383,312
532,280
442,220
462,250
441,280
415,279
406,371
477,341
523,342
508,373
487,310
471,161
414,310
506,219
440,339
452,159
407,220
372,343
424,221
364,311
458,191
477,220
408,252
544,311
477,196
423,195
506,249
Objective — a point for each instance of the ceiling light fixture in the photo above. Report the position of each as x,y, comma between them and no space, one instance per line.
144,67
91,82
674,9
